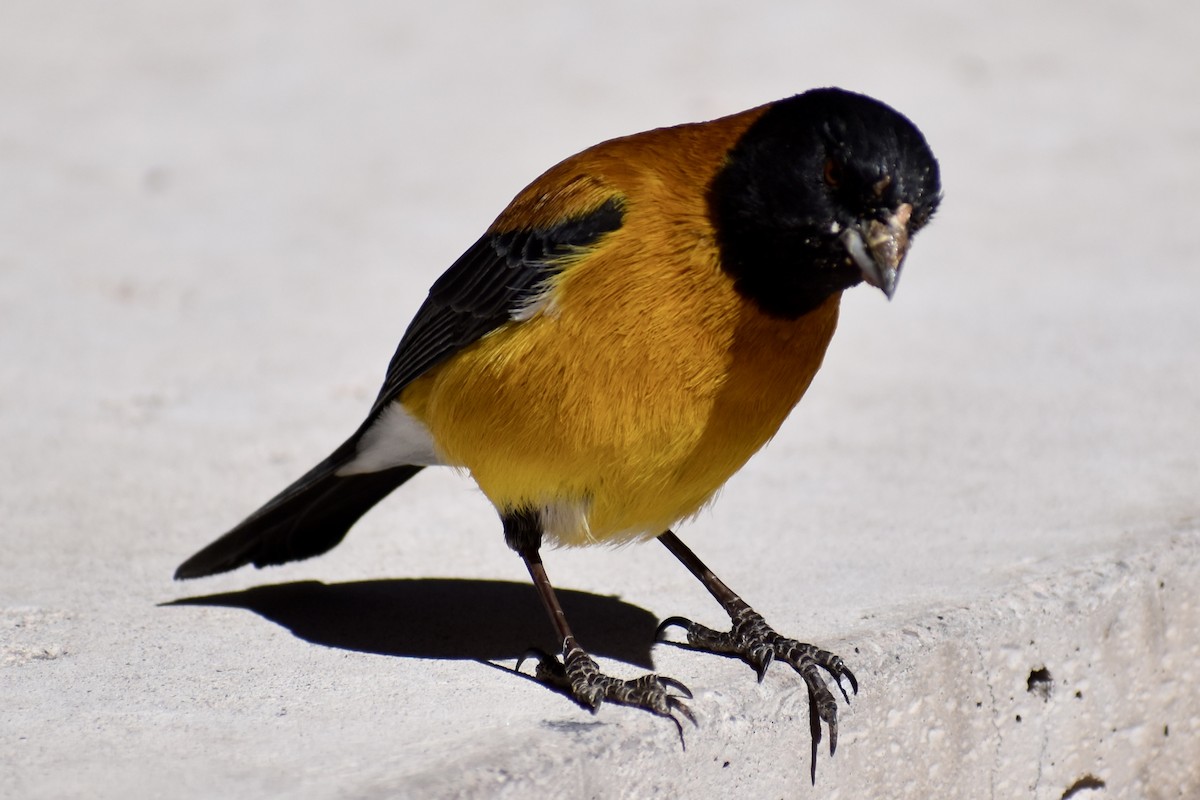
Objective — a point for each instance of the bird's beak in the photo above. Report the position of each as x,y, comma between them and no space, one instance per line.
878,248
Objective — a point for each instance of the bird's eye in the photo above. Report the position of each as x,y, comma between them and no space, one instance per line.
833,173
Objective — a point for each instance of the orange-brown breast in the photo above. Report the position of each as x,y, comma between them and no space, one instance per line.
645,381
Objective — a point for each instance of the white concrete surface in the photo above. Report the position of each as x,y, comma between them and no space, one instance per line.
216,219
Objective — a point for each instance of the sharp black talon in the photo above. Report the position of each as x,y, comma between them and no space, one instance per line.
766,663
678,705
671,683
669,622
534,652
679,730
853,682
814,728
838,680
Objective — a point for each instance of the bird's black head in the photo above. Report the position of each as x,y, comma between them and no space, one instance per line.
822,191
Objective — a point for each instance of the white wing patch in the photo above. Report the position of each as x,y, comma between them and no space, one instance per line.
397,438
543,301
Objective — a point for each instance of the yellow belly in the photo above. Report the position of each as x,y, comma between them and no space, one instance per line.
625,405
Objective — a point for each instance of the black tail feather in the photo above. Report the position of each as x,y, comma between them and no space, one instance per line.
305,519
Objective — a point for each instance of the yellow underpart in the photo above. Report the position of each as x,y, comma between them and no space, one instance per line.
646,381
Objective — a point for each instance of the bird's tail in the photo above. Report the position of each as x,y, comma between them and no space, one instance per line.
305,519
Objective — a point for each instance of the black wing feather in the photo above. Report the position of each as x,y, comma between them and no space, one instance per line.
478,294
480,291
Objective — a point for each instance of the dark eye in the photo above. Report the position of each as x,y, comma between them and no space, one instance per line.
833,173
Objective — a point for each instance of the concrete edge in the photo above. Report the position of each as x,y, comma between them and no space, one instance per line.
1075,682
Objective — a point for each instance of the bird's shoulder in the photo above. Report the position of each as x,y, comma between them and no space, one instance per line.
641,172
629,194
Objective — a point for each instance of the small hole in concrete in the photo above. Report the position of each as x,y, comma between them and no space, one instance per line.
1166,730
1083,784
1040,683
1018,717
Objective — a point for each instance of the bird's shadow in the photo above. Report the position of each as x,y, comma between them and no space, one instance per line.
442,618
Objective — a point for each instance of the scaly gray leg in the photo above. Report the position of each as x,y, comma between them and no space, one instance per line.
577,673
755,642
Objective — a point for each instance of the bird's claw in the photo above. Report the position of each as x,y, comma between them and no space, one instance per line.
755,642
578,675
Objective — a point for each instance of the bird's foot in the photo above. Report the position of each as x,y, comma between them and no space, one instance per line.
755,642
579,676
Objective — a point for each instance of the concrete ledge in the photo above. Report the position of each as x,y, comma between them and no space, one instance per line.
1077,683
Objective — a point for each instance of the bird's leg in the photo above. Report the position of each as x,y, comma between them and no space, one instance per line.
755,642
577,673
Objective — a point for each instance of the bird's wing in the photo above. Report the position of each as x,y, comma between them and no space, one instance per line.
488,286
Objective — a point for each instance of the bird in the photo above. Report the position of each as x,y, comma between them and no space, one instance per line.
629,331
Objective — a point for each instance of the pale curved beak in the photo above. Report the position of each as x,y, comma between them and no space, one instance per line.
878,248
